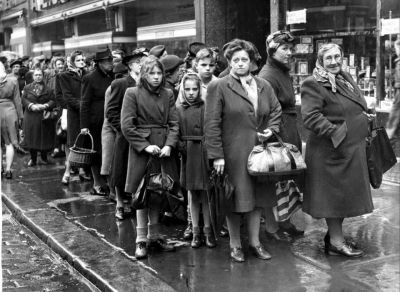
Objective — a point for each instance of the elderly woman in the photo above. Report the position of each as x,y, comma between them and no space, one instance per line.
337,182
239,109
39,132
10,116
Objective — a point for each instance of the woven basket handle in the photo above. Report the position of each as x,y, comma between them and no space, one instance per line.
90,136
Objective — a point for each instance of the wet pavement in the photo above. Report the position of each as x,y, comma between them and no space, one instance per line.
28,264
83,230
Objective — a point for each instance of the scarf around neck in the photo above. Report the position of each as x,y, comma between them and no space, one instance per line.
322,75
74,69
151,88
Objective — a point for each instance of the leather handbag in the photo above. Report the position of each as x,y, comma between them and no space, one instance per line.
380,155
275,159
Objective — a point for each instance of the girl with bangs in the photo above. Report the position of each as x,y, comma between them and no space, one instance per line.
149,122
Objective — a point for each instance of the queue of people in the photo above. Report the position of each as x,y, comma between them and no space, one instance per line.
150,112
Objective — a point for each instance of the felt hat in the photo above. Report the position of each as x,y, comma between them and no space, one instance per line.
157,51
15,62
102,55
171,62
137,53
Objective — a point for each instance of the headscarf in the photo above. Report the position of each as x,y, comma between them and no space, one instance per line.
71,67
276,39
322,75
186,103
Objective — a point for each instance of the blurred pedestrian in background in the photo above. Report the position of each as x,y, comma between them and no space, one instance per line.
11,116
337,181
39,131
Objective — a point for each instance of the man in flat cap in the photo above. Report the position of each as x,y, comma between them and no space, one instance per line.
94,86
172,65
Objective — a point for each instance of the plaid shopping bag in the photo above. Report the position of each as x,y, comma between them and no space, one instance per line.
288,200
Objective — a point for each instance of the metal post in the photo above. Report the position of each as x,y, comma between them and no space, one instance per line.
390,60
379,79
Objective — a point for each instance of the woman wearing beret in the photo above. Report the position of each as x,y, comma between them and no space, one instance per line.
240,109
337,181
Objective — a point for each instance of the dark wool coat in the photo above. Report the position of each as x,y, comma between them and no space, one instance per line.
278,76
231,128
194,163
337,182
142,111
71,85
94,86
113,115
39,133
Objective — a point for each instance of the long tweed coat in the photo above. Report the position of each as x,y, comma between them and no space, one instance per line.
39,133
231,127
337,182
148,119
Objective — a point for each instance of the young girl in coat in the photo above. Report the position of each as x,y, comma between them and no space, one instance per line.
149,123
194,170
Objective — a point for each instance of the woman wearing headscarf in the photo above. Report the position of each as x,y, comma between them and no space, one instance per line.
240,110
10,116
39,132
71,83
280,47
337,182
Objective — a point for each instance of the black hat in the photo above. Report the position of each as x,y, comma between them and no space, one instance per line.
193,48
102,55
25,58
157,51
171,62
15,62
120,69
138,53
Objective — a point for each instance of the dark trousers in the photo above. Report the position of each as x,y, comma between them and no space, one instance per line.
43,155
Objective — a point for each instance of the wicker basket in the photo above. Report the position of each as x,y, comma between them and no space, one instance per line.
81,157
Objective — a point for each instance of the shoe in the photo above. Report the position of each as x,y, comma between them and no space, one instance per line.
119,213
84,176
8,174
31,163
188,233
344,249
210,240
291,229
112,197
162,245
65,180
279,235
196,241
224,232
260,252
141,250
98,191
327,241
237,254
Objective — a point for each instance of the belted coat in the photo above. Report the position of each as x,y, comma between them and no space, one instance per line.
148,118
231,126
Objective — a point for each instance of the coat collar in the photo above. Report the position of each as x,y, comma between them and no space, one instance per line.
238,89
29,88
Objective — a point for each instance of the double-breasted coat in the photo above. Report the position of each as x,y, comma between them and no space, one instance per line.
113,115
148,118
337,181
231,127
194,163
94,86
71,85
39,133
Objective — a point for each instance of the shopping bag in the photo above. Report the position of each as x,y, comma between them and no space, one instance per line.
288,200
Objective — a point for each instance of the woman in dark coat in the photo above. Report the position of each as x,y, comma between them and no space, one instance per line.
39,133
280,46
94,86
70,84
150,124
194,164
238,108
337,182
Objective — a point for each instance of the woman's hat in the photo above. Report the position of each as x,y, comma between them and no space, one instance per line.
137,53
274,40
157,51
16,62
103,55
171,62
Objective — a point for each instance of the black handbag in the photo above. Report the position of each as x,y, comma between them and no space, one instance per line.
380,155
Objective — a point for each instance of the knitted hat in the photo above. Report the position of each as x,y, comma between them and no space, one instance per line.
157,51
276,39
171,62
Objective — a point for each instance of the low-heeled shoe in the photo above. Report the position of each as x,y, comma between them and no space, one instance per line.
98,191
196,241
237,254
260,252
65,180
344,249
188,233
210,240
141,250
162,245
224,232
120,213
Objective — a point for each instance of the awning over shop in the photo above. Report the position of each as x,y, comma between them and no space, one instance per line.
47,48
98,39
12,15
167,31
82,9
